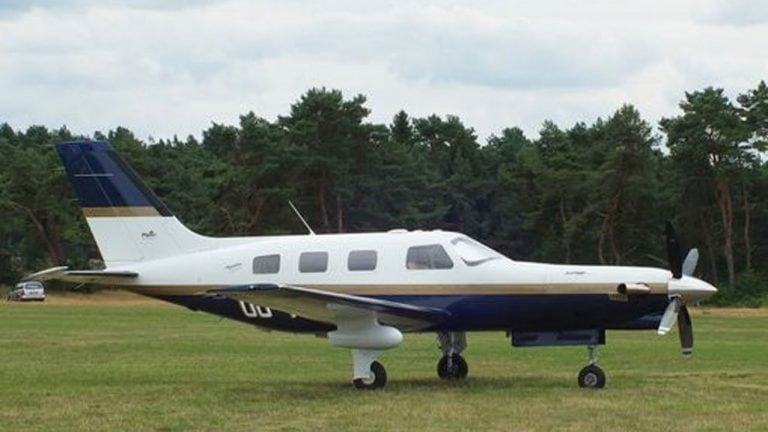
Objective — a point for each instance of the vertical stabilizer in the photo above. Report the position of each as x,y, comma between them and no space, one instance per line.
127,220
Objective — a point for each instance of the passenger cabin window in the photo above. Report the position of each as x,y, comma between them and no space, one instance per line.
266,264
428,257
362,260
313,262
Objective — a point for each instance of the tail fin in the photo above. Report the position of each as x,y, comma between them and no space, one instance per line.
127,220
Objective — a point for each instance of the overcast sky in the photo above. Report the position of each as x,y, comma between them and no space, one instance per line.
173,66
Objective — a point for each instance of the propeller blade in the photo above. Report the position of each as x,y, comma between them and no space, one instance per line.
685,329
689,264
673,252
670,316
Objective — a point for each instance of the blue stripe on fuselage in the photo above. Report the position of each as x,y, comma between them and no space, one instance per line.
471,313
101,178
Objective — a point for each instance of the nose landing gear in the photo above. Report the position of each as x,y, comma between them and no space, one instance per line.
591,376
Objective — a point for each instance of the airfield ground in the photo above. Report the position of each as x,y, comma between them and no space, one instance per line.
120,362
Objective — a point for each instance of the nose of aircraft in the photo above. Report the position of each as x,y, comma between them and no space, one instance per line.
691,289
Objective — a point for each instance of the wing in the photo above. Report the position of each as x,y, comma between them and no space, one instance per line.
326,306
82,276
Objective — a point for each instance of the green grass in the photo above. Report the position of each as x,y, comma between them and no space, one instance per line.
167,369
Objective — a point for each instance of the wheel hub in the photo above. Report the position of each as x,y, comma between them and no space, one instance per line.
590,379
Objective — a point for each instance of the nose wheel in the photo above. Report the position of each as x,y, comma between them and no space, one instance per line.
591,376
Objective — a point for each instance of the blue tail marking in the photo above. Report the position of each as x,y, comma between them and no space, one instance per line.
101,178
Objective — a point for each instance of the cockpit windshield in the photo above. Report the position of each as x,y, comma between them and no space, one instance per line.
472,252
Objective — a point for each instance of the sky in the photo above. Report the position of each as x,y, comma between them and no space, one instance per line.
172,67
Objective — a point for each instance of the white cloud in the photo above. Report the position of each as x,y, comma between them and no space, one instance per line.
163,68
734,12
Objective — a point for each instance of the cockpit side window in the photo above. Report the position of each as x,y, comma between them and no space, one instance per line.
426,257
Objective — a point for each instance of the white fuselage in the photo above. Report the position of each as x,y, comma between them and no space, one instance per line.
475,269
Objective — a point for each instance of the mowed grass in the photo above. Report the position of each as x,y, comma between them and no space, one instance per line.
147,367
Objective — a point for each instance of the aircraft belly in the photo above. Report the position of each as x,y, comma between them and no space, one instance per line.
467,312
539,312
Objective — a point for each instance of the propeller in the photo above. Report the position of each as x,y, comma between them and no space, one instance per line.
689,264
677,311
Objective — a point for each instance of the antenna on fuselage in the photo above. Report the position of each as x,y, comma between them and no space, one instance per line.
301,218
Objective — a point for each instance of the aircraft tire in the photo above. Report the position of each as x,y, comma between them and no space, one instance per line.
591,377
379,378
458,369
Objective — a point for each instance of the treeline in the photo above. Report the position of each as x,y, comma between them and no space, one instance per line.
592,193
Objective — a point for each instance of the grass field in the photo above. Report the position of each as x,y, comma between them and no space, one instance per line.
135,365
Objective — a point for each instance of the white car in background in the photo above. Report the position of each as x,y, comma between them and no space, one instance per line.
32,290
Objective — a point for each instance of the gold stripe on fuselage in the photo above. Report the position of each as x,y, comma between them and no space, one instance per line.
120,211
401,289
479,289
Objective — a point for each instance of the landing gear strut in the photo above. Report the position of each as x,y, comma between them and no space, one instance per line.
452,365
591,376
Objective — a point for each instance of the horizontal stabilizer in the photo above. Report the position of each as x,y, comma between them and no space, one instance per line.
47,274
324,306
81,276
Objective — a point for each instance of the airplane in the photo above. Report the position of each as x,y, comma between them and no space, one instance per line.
363,291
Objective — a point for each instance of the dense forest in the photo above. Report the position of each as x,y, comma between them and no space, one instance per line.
591,193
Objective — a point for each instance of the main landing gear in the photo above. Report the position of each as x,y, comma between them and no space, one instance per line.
376,379
361,331
452,365
369,374
591,376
